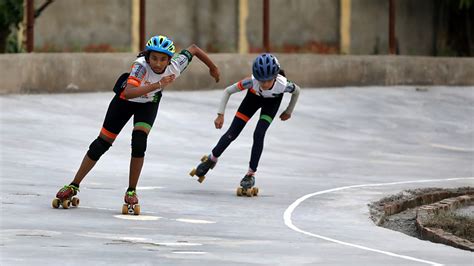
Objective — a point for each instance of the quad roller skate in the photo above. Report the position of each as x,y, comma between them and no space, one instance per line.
247,187
131,205
65,197
203,168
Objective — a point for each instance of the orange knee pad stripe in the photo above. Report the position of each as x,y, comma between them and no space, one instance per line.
108,133
242,116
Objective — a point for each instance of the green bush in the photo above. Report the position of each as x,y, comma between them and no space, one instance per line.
11,13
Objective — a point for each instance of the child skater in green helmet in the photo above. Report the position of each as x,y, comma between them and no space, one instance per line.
154,69
265,91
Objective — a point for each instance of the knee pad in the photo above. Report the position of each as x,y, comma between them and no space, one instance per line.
139,138
98,147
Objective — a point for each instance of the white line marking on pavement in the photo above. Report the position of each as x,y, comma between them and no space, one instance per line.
292,207
451,148
142,217
195,221
138,217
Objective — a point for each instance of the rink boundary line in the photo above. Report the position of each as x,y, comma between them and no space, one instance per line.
289,211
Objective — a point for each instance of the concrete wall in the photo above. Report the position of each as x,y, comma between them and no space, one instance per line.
213,24
77,23
83,72
295,22
414,27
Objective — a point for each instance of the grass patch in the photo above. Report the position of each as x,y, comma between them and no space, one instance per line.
458,225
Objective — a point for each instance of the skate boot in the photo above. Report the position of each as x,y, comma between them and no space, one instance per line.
65,197
131,205
202,169
247,186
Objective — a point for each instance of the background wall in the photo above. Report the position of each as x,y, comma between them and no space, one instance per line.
213,25
414,27
77,23
85,72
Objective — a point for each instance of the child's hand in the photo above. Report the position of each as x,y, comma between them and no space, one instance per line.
219,121
285,116
165,81
215,73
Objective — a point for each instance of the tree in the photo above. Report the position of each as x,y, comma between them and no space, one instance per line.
455,27
11,13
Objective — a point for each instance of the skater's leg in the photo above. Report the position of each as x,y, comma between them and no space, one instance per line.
118,113
143,121
136,165
86,165
250,104
230,135
258,142
269,110
139,142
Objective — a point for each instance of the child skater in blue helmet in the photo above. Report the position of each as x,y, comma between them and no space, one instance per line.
138,94
265,89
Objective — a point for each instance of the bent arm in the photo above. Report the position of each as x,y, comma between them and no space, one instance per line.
131,91
225,97
294,98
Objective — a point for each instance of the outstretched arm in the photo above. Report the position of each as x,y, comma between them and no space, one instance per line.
199,53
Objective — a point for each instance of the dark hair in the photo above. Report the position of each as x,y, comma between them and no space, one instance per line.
144,53
282,72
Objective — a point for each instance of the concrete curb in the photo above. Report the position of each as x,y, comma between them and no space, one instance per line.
397,207
427,212
427,205
88,72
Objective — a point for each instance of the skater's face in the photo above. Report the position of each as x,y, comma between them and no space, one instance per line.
266,85
158,62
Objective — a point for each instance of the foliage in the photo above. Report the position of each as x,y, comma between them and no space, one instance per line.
465,4
11,13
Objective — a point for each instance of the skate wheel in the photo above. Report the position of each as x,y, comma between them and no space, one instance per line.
193,172
124,209
239,191
75,202
204,158
66,204
249,192
201,178
136,209
55,203
255,191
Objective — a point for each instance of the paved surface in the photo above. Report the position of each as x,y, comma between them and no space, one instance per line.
342,149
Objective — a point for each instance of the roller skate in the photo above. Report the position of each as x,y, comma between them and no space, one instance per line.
131,205
65,197
247,186
202,169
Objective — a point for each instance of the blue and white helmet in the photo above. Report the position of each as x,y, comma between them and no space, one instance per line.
161,44
265,67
